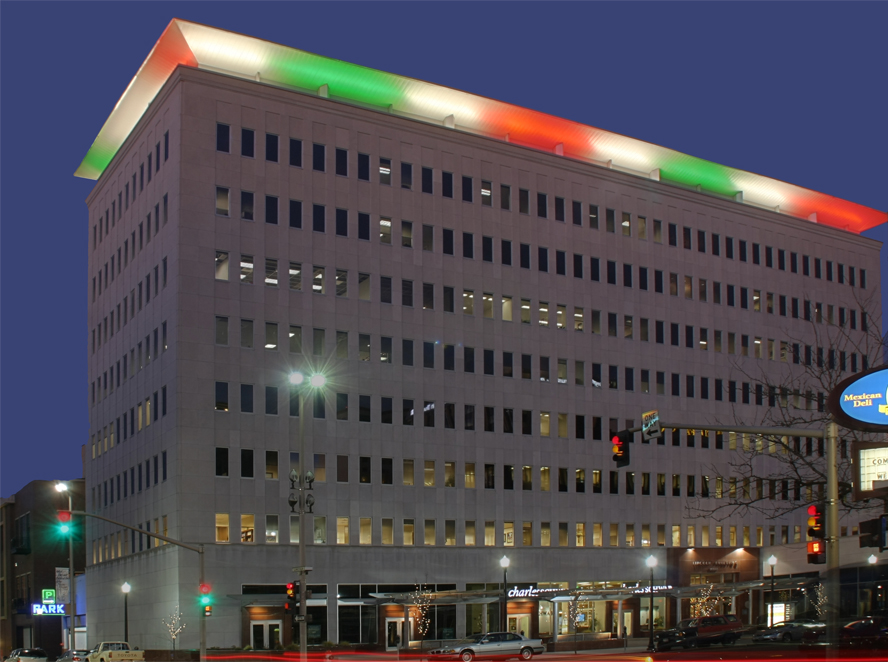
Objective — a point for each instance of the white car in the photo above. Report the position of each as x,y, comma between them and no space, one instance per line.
493,645
27,655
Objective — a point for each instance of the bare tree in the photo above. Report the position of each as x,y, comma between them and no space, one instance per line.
777,475
422,601
174,626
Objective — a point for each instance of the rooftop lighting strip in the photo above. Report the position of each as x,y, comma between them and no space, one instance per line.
200,46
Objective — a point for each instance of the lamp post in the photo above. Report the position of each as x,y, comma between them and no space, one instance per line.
504,620
126,589
72,601
772,561
651,563
301,482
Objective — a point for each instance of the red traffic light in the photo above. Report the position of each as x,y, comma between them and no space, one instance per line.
815,521
64,516
205,589
816,547
291,590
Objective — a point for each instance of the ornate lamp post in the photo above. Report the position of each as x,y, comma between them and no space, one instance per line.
301,482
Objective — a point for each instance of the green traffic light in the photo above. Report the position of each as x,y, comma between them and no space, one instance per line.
205,600
64,528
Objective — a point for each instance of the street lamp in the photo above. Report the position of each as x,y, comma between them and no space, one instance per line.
873,559
72,601
651,562
504,620
301,482
126,589
772,561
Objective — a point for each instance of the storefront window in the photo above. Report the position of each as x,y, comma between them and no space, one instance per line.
659,613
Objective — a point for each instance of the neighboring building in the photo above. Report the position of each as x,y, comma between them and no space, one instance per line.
31,549
490,292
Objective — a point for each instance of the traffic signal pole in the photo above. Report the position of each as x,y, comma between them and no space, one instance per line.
199,549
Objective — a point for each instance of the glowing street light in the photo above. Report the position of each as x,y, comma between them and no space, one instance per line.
651,562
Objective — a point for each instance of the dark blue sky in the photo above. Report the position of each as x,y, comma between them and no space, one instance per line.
794,91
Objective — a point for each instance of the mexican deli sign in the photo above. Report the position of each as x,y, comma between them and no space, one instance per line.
861,401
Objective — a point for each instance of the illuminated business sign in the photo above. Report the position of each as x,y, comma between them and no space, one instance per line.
861,401
870,462
48,610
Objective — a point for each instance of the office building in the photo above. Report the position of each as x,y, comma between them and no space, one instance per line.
489,291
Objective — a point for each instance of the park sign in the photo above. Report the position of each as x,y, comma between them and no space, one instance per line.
861,401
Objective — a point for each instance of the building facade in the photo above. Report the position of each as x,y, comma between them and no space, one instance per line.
486,311
34,557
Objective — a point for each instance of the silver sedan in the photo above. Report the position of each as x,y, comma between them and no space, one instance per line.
493,645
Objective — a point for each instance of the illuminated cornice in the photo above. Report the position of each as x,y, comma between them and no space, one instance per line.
204,47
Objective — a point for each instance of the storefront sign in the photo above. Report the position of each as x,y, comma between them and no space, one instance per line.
870,462
532,592
47,610
49,596
861,401
657,589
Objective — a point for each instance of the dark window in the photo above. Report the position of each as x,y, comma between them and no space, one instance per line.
468,245
543,259
448,242
246,395
385,410
577,212
505,197
427,180
364,226
342,162
469,359
221,462
364,408
387,473
318,157
658,281
271,400
407,412
487,249
223,140
271,147
319,218
686,237
561,263
295,152
742,245
342,406
523,201
673,234
594,268
524,253
701,241
627,275
506,252
715,244
467,193
364,167
246,463
271,209
342,222
611,272
407,352
756,254
364,470
246,206
248,143
542,205
769,257
221,396
578,266
642,278
406,175
447,184
488,361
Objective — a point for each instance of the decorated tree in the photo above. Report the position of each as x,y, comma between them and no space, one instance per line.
174,626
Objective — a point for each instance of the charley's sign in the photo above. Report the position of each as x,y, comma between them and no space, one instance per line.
861,401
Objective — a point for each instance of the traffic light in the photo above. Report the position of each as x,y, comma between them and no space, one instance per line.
64,522
873,533
816,521
621,441
817,552
291,597
206,599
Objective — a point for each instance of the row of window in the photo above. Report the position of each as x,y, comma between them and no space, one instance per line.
138,417
512,421
130,363
559,212
115,212
119,544
128,251
104,493
525,478
129,306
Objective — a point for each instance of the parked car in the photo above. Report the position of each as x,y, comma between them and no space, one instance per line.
667,639
493,645
794,630
72,655
115,651
707,630
869,630
27,655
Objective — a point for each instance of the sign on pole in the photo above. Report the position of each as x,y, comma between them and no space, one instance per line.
650,425
62,585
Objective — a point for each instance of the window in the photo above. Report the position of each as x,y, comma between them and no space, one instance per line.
385,171
342,162
223,139
271,400
221,265
468,245
221,463
406,234
467,192
296,214
364,167
341,222
246,463
222,204
319,218
319,157
221,396
271,147
222,528
295,153
427,180
406,176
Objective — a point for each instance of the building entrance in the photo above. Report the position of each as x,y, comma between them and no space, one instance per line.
394,633
626,626
519,624
265,635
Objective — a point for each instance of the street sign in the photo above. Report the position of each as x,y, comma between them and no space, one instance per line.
650,425
302,569
49,596
47,610
299,618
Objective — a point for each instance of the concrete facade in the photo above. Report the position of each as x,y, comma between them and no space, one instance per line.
153,287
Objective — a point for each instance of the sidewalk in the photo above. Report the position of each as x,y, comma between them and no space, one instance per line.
633,646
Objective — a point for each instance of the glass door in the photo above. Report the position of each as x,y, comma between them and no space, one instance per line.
265,635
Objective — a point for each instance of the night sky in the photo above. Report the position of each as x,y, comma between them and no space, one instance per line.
794,91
